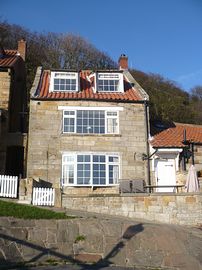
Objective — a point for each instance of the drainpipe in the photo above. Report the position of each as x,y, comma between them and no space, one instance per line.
147,142
192,151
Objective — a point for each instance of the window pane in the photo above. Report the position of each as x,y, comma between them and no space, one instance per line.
68,125
68,174
113,174
64,81
69,113
112,125
99,171
90,121
113,159
80,158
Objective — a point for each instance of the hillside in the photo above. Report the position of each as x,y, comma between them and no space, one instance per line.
168,102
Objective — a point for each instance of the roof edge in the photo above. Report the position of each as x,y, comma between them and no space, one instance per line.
36,82
87,99
131,79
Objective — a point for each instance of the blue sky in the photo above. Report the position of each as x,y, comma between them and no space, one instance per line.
159,36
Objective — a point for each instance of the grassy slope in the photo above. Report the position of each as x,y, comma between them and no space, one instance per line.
28,212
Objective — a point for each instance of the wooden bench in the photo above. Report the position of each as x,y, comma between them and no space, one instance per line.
152,187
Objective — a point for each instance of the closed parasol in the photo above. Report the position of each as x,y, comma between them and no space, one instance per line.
192,184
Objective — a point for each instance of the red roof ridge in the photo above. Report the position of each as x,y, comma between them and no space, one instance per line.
187,124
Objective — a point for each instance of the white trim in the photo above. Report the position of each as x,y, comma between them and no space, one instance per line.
106,117
169,150
52,77
71,108
164,153
107,164
119,79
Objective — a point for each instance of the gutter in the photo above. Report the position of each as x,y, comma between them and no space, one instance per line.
88,99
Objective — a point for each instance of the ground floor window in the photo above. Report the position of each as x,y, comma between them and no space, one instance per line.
87,169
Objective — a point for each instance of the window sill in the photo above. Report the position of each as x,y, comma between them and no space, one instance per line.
90,135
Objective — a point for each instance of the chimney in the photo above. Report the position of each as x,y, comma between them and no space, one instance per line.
123,62
22,48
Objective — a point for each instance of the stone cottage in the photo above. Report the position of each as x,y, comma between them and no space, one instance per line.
13,105
174,147
87,129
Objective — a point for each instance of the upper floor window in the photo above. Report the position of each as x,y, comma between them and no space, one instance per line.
110,82
64,81
94,121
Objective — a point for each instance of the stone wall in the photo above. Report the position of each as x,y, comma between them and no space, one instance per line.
182,208
47,142
100,241
198,157
5,82
13,100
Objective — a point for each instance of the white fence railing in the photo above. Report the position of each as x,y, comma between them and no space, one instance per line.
43,196
8,186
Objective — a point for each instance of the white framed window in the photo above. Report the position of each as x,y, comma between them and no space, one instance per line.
90,169
64,81
110,82
91,121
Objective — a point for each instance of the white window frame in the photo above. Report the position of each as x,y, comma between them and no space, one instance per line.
107,163
105,109
110,76
64,75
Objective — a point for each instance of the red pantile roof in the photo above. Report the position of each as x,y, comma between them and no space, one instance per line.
9,58
174,136
86,90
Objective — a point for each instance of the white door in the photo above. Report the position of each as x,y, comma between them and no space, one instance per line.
165,175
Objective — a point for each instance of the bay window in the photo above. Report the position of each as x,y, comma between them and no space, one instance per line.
87,169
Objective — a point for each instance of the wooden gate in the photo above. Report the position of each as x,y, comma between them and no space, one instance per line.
43,196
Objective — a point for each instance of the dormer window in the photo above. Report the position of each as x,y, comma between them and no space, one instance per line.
110,82
64,81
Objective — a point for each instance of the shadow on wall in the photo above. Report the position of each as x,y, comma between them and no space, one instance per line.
40,251
42,183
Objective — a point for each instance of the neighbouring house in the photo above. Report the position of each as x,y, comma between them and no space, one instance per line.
174,148
13,107
87,129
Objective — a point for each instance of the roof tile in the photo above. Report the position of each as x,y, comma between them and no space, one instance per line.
174,136
9,58
87,93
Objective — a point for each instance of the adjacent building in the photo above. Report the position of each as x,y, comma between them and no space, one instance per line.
13,107
174,148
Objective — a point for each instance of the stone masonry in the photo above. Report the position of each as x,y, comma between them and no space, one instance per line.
5,81
181,208
100,240
47,142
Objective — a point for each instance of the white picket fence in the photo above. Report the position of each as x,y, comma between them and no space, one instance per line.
8,186
43,196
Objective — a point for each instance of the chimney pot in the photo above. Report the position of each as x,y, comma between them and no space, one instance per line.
22,48
123,62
